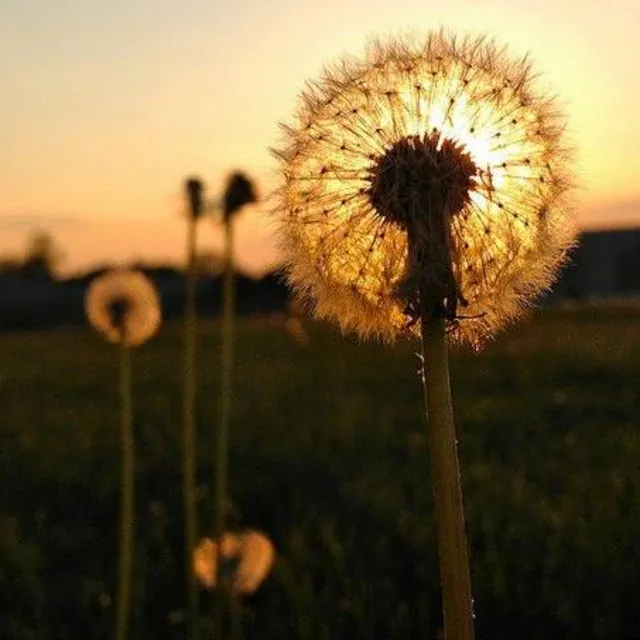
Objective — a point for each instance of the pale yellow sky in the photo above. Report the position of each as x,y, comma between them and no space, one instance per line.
108,105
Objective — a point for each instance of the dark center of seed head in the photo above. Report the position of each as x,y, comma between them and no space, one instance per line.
421,184
420,178
117,311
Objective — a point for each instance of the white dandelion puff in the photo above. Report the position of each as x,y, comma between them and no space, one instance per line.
429,179
123,305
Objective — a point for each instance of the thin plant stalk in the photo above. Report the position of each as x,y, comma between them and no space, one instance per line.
445,471
189,429
222,430
123,605
235,607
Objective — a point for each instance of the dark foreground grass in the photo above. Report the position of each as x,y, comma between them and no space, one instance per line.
329,458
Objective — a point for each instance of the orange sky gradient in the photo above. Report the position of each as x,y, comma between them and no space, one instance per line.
108,105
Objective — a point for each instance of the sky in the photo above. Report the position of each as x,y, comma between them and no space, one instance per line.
108,105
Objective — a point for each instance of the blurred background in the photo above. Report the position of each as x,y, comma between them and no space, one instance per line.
106,108
106,105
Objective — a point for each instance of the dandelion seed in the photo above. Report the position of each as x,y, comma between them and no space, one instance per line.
430,178
247,558
123,304
293,323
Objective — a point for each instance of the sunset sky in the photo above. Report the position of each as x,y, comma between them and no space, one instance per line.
108,105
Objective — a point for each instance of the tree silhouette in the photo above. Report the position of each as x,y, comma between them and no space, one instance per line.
39,262
42,257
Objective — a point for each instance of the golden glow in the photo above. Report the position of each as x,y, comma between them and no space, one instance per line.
505,240
246,559
111,105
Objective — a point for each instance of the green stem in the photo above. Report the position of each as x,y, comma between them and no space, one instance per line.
189,431
222,431
235,607
445,471
126,487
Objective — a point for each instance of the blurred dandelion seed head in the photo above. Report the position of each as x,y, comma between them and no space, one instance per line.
239,192
247,558
194,190
431,179
123,304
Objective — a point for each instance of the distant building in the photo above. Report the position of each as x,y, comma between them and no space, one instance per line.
605,264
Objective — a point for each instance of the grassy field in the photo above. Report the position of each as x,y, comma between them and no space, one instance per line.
329,458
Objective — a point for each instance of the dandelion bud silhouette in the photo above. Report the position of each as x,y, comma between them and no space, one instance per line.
194,189
428,180
239,192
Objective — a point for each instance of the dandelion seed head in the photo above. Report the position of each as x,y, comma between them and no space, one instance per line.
194,190
123,305
246,559
238,193
429,179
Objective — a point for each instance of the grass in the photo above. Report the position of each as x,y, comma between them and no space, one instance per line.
328,456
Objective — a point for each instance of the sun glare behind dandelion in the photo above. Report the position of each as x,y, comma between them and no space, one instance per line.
506,212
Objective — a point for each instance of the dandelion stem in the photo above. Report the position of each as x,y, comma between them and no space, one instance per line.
222,432
126,487
235,607
189,430
445,471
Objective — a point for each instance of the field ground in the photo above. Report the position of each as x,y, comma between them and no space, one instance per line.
329,458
